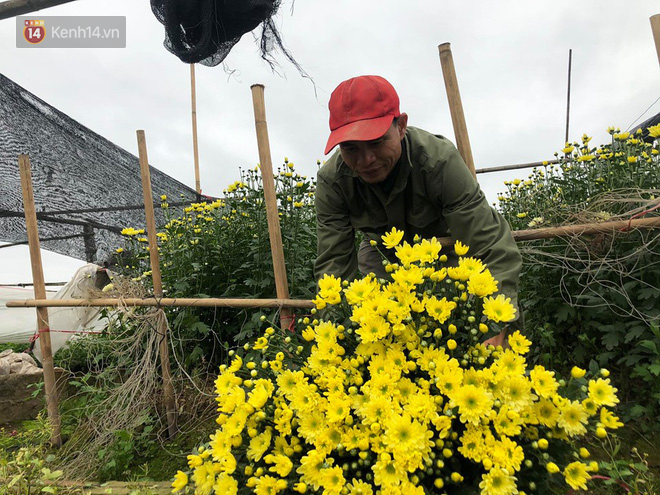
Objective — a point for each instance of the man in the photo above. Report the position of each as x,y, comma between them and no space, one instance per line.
386,175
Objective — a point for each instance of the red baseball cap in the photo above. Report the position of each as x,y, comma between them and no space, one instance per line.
361,109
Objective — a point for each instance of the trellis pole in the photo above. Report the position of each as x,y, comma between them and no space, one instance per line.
270,197
50,387
456,106
655,27
193,102
168,389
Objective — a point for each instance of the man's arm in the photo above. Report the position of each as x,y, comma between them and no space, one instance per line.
335,235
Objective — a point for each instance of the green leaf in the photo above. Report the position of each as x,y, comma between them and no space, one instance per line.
610,340
564,312
649,344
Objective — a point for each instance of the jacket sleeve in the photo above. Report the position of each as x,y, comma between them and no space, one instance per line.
336,253
472,221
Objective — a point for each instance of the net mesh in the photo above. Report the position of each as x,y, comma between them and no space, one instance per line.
205,31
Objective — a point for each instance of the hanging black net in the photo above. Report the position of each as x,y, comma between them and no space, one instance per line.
205,31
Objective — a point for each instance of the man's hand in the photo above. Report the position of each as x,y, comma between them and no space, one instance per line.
499,339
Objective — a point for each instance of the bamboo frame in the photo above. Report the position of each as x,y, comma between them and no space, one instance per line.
518,235
655,27
193,102
503,168
164,302
162,328
456,106
50,388
12,8
270,198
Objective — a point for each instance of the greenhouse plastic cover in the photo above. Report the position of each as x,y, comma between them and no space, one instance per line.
19,325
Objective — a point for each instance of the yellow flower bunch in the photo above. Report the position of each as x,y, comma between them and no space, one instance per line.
389,390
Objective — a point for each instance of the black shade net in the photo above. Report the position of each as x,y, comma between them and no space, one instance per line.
205,31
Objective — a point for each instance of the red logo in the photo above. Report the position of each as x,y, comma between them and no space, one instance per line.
34,31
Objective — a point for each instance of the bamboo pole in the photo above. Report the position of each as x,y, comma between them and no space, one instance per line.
655,27
516,167
168,389
588,228
568,93
456,106
50,387
177,302
274,232
12,8
193,100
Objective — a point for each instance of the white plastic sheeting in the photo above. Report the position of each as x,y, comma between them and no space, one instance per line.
19,325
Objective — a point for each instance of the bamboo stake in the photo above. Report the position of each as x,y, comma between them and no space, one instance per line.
178,302
275,234
50,387
456,106
568,93
516,167
193,99
655,27
12,8
168,389
587,228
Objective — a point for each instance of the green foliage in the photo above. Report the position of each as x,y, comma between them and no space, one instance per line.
25,459
14,347
595,297
222,249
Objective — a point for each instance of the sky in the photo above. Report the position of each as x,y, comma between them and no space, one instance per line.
511,61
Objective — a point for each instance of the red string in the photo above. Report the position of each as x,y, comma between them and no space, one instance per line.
50,330
637,215
293,322
599,477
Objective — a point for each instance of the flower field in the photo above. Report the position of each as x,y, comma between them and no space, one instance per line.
386,386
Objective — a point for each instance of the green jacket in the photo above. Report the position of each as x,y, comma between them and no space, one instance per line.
434,194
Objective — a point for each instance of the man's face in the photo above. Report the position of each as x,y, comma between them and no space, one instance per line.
374,160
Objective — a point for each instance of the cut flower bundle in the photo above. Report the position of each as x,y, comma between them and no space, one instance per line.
388,390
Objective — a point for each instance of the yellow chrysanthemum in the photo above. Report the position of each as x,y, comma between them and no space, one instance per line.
602,393
180,481
499,309
498,482
519,343
576,475
482,284
460,249
473,403
573,418
392,238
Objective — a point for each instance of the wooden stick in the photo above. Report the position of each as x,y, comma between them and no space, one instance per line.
50,387
456,106
12,8
277,250
516,167
655,27
568,94
168,389
587,228
193,99
178,302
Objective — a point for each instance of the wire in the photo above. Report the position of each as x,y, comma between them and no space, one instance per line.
643,113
